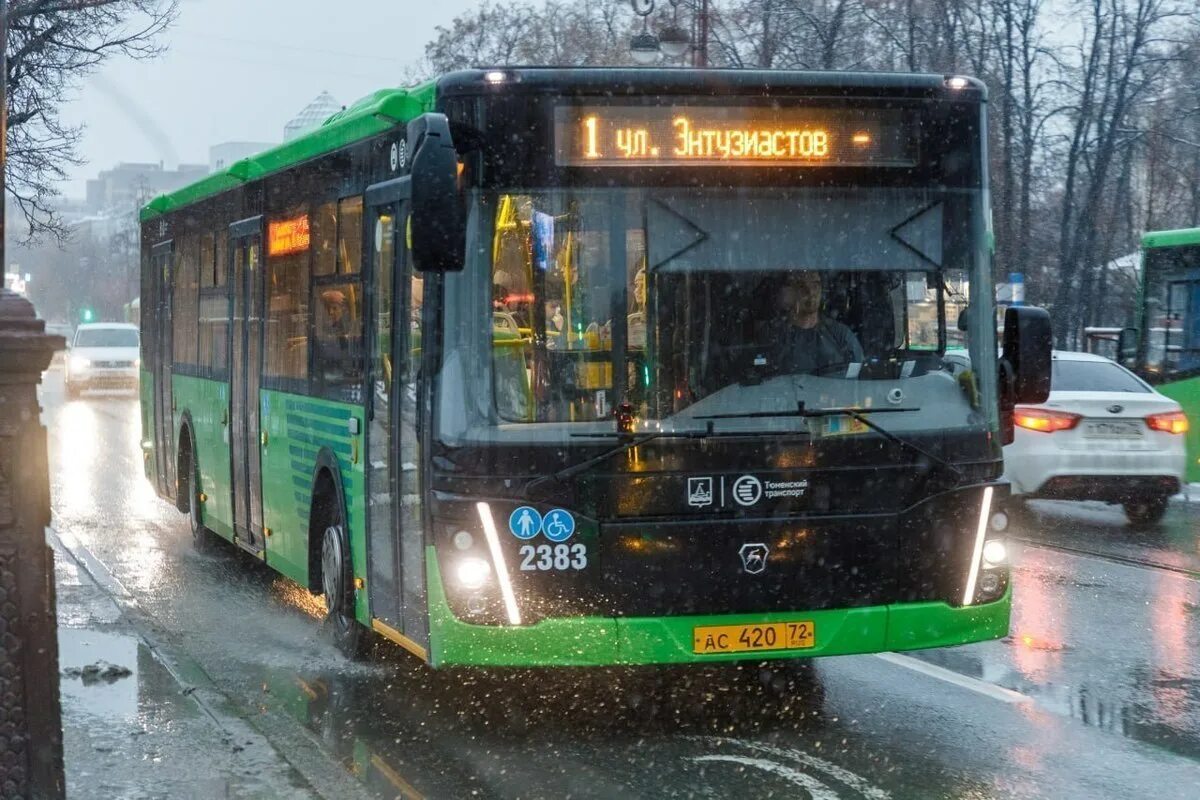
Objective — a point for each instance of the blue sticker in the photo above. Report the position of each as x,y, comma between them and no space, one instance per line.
558,525
525,522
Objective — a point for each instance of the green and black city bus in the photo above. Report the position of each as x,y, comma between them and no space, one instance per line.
1164,348
495,365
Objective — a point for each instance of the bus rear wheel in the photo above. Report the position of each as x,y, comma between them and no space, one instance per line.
337,582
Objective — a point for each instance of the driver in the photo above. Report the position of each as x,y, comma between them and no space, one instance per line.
809,341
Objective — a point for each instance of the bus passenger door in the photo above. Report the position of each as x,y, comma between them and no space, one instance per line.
245,242
164,412
384,558
396,533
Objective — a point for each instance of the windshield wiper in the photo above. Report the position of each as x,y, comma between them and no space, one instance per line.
624,447
859,414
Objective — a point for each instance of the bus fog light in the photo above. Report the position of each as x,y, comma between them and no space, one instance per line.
476,604
463,540
999,522
473,572
989,583
995,553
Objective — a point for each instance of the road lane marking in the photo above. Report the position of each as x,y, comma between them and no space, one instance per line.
1124,561
816,789
950,676
831,770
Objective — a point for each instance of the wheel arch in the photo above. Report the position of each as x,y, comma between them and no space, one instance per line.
327,495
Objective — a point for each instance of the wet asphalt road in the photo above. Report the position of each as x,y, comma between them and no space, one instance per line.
1096,693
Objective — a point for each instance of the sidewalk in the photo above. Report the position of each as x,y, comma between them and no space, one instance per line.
130,728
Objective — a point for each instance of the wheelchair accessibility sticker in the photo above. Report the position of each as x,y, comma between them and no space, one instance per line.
525,522
558,525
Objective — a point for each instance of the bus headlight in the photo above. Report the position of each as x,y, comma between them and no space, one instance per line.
473,572
989,584
995,553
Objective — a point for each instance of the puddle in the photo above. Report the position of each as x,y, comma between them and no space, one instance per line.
79,649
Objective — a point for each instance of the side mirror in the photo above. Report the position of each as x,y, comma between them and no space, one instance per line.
964,319
1127,347
1026,360
438,222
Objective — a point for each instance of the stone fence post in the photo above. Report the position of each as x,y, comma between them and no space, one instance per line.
31,758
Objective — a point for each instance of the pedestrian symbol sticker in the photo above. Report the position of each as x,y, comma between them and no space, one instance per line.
525,522
558,525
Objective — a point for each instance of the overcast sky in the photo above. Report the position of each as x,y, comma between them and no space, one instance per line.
240,69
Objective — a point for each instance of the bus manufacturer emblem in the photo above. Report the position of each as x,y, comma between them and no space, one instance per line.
754,557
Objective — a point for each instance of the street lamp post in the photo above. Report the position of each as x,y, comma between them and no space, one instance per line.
673,41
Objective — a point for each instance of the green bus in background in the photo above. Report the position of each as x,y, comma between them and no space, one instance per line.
492,364
1164,348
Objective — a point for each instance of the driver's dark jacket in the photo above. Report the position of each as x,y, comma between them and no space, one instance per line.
828,344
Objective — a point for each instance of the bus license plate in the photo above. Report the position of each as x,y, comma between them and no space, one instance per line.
753,638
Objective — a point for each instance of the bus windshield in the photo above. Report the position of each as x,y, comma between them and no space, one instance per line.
701,302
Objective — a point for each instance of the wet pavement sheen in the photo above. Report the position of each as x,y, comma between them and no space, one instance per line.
1096,692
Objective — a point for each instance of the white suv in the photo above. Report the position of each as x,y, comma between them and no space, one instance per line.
103,355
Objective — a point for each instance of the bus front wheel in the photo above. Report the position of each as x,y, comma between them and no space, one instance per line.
203,539
337,582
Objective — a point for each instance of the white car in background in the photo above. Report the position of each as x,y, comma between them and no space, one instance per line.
1102,434
103,355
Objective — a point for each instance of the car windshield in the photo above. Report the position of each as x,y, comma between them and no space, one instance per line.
1093,376
699,302
106,337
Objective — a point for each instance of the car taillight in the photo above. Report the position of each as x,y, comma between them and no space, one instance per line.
1044,420
1170,422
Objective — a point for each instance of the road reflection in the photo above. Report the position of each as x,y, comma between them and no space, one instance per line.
485,718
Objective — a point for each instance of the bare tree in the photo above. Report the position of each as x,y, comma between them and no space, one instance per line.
52,46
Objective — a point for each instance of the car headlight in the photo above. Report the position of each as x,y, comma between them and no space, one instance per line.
79,362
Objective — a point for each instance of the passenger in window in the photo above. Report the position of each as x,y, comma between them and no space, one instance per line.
337,338
808,340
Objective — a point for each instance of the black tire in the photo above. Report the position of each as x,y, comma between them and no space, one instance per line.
337,583
203,540
1146,510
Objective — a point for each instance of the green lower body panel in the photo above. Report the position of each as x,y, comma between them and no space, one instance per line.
1187,394
606,641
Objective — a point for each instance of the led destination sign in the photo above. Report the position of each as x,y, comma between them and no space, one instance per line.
673,136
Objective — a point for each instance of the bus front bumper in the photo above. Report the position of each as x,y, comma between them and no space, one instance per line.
606,641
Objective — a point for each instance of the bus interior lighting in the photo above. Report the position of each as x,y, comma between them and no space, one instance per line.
493,540
985,512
